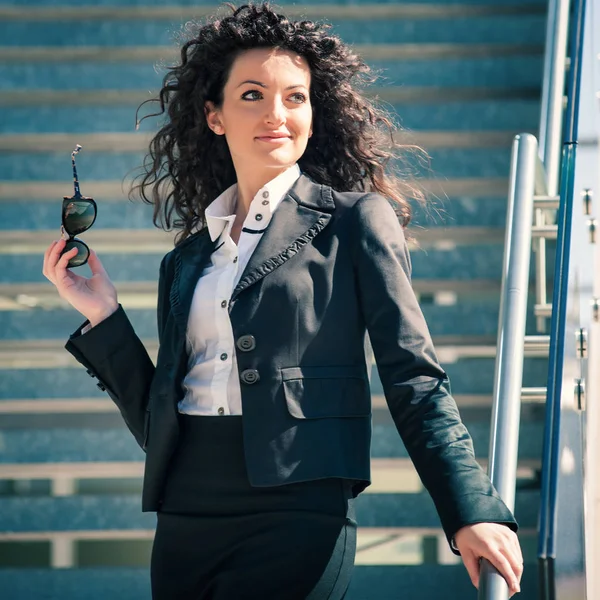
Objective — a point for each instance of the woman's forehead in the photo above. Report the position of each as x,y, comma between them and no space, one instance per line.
270,62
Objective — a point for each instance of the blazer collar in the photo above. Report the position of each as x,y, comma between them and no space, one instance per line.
303,212
220,213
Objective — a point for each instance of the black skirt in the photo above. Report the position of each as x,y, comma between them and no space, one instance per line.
219,538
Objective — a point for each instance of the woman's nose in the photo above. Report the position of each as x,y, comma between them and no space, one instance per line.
275,113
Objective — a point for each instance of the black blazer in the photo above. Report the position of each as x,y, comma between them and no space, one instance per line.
330,267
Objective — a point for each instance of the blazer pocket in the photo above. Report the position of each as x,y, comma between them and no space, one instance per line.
326,392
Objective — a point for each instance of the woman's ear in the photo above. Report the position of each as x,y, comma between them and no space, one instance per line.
212,118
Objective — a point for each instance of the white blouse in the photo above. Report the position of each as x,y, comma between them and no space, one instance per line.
212,384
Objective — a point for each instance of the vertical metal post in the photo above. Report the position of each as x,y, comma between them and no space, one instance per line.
553,89
506,412
550,128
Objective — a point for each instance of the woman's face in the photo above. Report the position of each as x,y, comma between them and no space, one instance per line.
266,116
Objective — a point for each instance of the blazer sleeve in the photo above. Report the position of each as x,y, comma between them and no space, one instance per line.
113,353
416,387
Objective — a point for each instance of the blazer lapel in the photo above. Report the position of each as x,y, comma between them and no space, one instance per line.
301,215
191,258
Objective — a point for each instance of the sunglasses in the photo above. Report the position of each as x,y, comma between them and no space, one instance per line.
78,215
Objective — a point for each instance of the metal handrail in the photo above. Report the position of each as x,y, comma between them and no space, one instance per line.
504,440
551,445
527,177
553,85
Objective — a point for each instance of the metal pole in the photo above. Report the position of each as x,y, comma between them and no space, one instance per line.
550,454
550,128
553,87
506,413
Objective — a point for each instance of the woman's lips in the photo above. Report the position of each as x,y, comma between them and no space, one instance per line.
273,140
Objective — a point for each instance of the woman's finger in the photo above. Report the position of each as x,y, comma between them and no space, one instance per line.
46,256
50,260
95,264
512,552
504,567
472,565
54,254
61,265
517,547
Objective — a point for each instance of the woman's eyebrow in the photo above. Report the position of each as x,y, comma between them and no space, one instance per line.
289,87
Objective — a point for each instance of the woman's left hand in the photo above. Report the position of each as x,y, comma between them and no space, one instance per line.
498,544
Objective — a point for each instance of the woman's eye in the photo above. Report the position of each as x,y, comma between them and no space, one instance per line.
253,95
245,95
299,97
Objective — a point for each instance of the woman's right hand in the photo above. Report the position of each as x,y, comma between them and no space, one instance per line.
95,297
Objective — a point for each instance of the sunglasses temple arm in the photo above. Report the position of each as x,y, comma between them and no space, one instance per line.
75,178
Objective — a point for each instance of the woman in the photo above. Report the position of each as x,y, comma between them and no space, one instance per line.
256,418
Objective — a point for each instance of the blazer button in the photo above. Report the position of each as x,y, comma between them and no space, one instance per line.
101,386
250,376
246,343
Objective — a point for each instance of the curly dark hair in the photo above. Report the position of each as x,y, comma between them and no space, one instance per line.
187,166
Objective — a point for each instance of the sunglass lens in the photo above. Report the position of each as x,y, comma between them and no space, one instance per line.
78,215
82,255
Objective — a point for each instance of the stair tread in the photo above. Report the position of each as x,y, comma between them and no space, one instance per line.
123,512
391,582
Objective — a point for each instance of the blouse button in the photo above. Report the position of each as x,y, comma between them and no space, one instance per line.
265,194
224,356
250,376
235,259
221,410
258,217
224,303
246,343
265,202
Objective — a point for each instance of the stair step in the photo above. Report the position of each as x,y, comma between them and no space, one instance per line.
448,259
135,31
331,10
102,437
102,583
388,475
21,321
115,190
136,142
453,163
149,241
491,115
106,512
471,371
368,51
392,94
493,73
142,294
451,213
26,407
529,6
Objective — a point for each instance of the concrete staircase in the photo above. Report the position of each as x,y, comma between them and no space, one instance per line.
463,77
